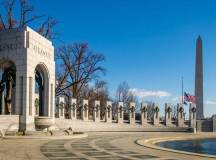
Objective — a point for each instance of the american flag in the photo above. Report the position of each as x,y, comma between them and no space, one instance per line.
189,98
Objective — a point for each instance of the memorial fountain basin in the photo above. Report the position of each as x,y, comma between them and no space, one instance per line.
202,145
42,122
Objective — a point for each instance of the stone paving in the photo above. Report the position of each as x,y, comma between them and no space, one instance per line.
94,147
97,146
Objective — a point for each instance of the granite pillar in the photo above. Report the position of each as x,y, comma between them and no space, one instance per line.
73,109
132,113
156,117
61,107
84,110
180,115
108,112
96,111
120,113
143,114
168,114
192,115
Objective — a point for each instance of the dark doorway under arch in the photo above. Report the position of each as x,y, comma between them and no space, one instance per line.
41,88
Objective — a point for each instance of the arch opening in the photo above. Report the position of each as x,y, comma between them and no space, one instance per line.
41,90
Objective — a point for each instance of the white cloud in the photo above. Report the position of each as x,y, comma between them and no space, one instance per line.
210,102
177,99
141,93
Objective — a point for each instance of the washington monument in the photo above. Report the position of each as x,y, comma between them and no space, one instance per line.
199,79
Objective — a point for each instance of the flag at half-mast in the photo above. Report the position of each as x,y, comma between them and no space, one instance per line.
189,98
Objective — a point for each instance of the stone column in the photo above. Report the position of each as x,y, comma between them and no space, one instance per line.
84,110
108,112
143,114
180,115
168,114
61,107
27,120
156,117
2,104
120,113
73,109
132,113
96,111
214,123
192,115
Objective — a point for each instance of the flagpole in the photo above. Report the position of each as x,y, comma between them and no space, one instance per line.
182,90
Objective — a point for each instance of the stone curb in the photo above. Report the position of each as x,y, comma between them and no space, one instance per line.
84,135
150,143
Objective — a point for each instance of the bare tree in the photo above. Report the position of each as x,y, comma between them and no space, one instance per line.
46,28
124,94
150,110
78,66
27,16
100,92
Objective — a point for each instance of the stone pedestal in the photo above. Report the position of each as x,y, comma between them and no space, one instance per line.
143,114
192,115
168,114
73,109
61,107
156,116
120,113
84,110
108,112
132,113
180,115
96,111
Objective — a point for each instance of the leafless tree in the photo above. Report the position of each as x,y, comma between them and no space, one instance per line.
124,94
100,92
150,110
26,17
78,65
46,28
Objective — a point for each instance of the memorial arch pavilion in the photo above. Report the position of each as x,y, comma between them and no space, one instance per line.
27,67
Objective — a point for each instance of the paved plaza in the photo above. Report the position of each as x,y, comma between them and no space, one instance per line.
100,146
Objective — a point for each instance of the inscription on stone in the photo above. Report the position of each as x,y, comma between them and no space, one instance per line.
40,51
14,46
10,46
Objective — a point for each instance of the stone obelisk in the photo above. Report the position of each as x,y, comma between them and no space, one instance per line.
199,79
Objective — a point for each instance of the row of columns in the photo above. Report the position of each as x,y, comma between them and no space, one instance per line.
180,121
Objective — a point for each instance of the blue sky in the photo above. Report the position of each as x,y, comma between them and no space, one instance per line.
148,43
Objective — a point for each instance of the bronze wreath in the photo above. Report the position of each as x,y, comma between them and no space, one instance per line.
73,106
193,109
85,107
97,107
181,110
169,109
144,109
